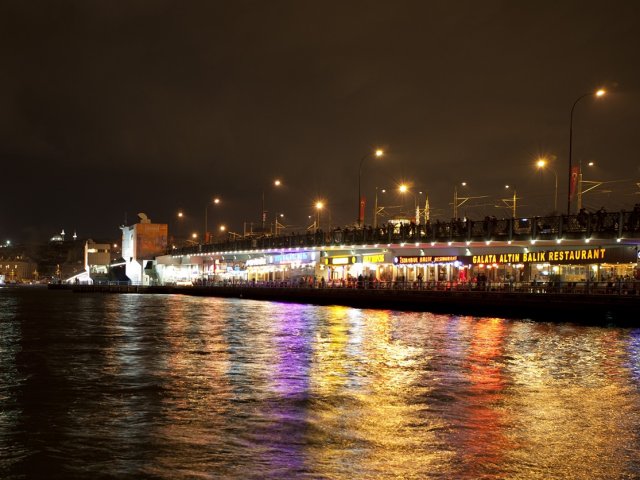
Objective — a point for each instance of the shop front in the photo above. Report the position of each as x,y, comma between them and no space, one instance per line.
571,264
370,267
430,268
291,268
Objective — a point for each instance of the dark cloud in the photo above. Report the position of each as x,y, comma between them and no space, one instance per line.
113,107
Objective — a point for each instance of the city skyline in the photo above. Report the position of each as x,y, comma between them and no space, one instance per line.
159,108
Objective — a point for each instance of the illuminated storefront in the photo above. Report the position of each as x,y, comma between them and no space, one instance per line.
598,263
430,268
373,266
453,264
283,267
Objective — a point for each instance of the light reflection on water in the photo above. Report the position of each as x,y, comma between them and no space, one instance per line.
179,387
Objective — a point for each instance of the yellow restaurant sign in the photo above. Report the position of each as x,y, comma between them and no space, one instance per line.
376,258
549,256
340,260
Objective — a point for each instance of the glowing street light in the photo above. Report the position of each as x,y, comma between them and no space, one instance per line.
319,206
598,93
541,164
276,183
512,200
214,201
377,210
360,218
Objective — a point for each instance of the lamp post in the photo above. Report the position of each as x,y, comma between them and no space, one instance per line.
581,187
319,206
456,200
404,189
512,200
376,210
377,153
459,201
215,201
276,183
277,223
542,163
598,93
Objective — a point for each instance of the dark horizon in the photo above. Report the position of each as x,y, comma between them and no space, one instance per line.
111,110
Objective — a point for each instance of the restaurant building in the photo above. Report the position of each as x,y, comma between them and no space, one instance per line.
447,263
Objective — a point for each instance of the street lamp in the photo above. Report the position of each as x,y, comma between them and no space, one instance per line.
278,224
215,201
180,216
319,206
512,200
542,163
404,189
581,188
598,93
360,217
377,210
459,201
276,183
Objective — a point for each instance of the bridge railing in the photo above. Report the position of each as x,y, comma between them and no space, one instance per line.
599,225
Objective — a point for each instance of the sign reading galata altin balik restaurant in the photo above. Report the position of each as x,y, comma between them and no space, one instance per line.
559,257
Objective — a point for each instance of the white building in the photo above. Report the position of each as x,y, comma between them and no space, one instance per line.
141,243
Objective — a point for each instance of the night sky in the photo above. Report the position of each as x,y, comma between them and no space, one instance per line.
110,108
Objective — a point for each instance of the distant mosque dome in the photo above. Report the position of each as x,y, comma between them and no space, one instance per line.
58,238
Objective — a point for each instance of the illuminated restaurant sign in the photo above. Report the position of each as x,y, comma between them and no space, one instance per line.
424,259
376,258
340,260
580,256
293,257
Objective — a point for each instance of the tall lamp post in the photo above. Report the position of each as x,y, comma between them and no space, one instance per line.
215,201
459,201
542,163
598,93
319,206
377,153
276,183
512,200
376,210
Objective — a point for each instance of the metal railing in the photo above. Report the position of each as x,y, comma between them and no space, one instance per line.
599,225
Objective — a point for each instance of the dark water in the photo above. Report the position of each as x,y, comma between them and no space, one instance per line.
144,386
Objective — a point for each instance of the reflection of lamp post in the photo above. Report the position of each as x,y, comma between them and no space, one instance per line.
377,153
542,163
215,201
598,93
